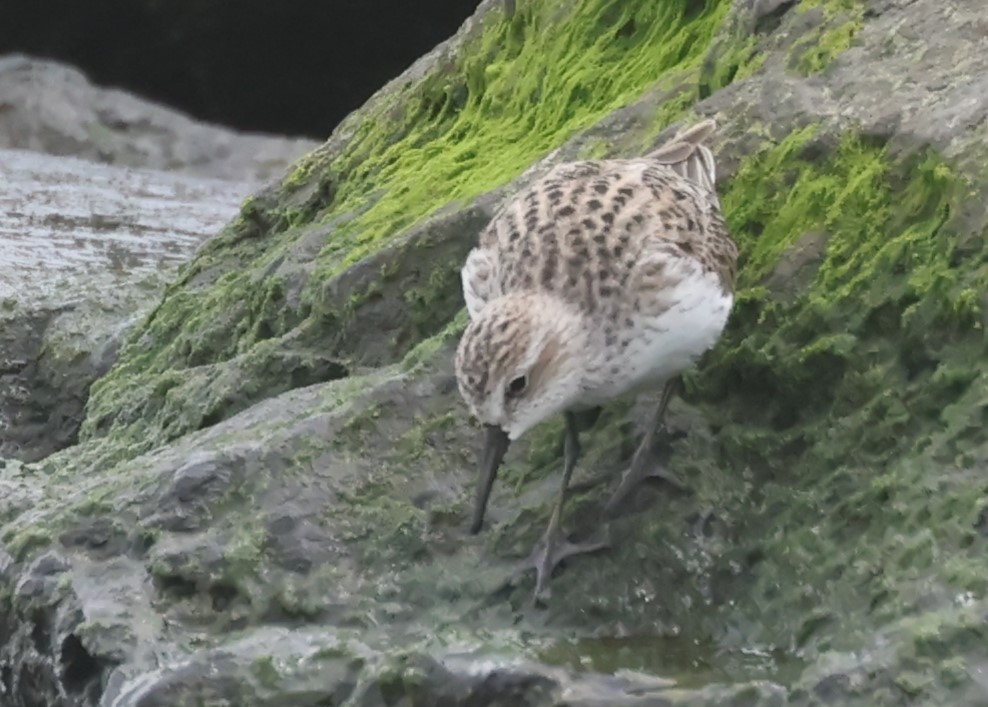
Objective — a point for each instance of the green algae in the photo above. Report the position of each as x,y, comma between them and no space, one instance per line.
458,121
222,589
852,415
22,543
734,56
413,443
842,20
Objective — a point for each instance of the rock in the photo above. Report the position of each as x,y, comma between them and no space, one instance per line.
88,249
275,476
53,108
313,668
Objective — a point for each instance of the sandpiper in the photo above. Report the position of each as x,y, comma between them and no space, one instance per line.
602,278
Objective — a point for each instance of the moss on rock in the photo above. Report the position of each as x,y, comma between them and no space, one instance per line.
838,374
841,21
441,138
439,147
833,541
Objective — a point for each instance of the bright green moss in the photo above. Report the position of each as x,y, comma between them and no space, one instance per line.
732,59
851,389
243,553
519,90
843,19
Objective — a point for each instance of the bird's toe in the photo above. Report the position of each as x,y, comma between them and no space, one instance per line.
547,555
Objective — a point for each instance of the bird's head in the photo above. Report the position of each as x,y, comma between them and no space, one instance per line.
520,361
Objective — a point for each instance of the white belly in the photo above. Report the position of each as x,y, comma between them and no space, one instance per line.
664,346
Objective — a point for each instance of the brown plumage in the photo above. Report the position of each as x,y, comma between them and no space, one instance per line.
601,278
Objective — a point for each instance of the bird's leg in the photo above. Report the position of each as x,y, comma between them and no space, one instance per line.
553,547
640,468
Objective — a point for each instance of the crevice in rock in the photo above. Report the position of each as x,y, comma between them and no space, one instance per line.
36,685
981,524
11,367
79,667
175,586
212,418
264,331
41,633
769,14
98,536
284,374
320,372
222,595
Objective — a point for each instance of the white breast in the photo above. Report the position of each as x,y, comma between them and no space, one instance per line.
666,345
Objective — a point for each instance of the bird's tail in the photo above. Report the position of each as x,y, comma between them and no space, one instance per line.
686,155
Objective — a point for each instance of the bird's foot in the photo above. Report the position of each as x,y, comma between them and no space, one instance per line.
551,549
633,477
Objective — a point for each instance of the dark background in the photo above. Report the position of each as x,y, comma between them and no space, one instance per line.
295,67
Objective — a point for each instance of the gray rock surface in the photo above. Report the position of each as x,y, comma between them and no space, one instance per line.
91,231
46,106
269,500
86,250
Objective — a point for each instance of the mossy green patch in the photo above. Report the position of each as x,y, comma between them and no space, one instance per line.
21,543
517,91
842,20
413,443
222,589
731,59
265,672
382,529
852,399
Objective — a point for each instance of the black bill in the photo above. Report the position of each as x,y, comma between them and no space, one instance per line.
495,445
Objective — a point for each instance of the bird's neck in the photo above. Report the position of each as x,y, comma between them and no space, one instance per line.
565,337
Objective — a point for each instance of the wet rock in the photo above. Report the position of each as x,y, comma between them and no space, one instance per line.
6,564
87,250
270,497
313,668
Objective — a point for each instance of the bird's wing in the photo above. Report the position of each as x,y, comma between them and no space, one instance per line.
688,213
680,220
482,272
688,156
481,280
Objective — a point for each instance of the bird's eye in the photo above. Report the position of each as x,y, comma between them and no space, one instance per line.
518,385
